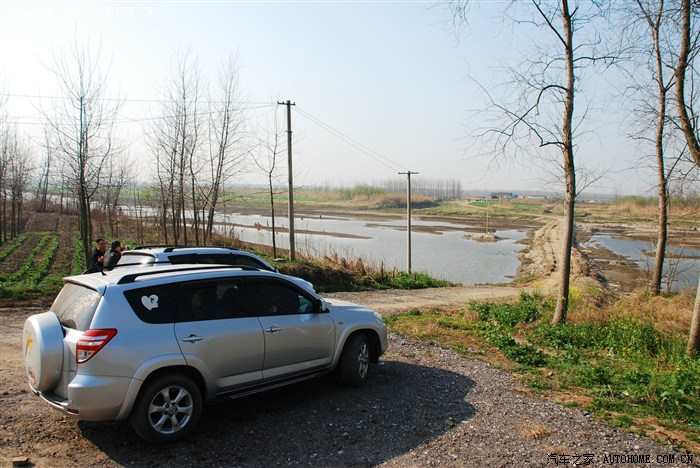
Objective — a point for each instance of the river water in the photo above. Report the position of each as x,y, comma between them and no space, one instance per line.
441,249
684,268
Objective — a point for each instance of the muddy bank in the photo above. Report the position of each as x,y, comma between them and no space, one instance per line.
591,264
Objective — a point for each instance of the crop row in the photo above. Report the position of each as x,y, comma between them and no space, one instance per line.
28,263
42,268
4,253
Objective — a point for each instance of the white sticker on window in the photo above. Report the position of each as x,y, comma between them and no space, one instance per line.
150,302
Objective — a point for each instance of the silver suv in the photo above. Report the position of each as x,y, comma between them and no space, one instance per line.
158,255
152,345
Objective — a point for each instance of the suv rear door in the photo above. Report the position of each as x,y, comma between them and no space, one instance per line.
214,333
298,339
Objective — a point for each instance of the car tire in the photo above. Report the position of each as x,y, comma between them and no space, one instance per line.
167,409
354,362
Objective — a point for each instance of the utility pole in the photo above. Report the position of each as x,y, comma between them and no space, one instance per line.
292,250
408,219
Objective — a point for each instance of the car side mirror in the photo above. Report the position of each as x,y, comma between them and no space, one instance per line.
321,306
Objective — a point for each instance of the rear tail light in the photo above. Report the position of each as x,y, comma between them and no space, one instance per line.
91,342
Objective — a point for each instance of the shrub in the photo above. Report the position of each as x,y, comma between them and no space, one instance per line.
526,310
568,335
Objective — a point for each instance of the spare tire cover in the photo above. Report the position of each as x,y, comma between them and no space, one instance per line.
42,346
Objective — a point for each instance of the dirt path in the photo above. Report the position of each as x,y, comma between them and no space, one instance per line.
395,301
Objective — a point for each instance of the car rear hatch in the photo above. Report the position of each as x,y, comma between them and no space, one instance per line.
75,307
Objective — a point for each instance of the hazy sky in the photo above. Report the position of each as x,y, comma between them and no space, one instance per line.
391,75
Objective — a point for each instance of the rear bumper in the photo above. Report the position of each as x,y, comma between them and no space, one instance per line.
91,398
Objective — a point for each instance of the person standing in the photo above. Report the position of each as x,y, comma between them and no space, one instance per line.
98,256
112,257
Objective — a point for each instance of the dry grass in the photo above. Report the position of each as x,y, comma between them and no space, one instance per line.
633,207
533,431
670,314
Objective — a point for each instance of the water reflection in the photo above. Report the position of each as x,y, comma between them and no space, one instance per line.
439,248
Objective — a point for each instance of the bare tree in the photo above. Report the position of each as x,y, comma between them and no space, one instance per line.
19,171
82,122
267,162
543,115
4,164
655,18
43,188
688,52
175,142
118,174
226,122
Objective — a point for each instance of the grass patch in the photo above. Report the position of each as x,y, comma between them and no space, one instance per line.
625,368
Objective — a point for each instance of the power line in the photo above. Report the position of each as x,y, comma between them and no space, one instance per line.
157,101
386,162
21,119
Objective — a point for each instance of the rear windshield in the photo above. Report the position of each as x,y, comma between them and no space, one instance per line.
75,306
136,259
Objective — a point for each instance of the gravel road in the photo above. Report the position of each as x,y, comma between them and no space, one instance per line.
423,406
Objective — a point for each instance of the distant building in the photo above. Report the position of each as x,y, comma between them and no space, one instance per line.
501,195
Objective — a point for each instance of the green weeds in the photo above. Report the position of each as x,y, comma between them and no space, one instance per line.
78,257
405,280
624,367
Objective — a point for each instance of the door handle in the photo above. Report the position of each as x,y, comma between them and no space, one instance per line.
273,329
194,339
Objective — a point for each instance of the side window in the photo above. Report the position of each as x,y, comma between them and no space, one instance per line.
275,298
154,304
197,301
212,300
249,261
236,300
183,259
216,259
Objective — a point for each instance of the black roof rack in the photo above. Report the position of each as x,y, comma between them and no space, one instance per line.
171,247
130,278
157,246
175,247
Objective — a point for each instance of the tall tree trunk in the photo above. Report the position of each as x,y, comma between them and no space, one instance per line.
272,215
662,178
569,171
195,207
686,124
663,226
691,139
694,335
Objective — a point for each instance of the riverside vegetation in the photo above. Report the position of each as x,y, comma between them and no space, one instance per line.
622,359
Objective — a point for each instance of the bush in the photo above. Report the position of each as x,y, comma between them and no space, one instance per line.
498,336
629,336
527,309
566,336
